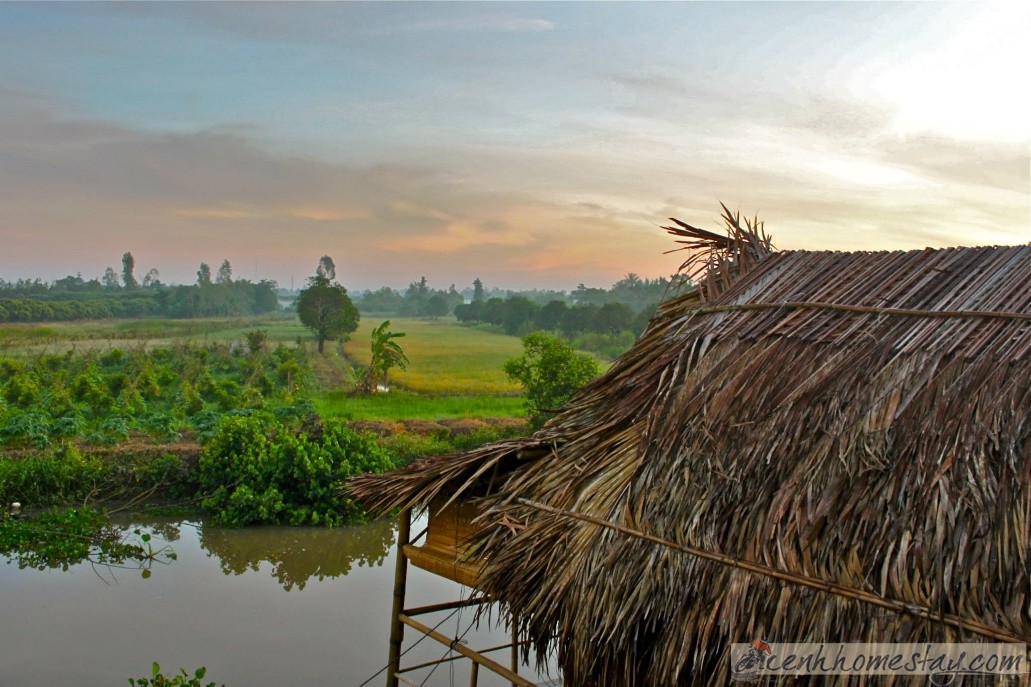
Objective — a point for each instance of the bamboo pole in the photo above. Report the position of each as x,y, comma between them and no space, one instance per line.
515,647
433,608
903,607
487,663
474,674
864,309
448,659
397,628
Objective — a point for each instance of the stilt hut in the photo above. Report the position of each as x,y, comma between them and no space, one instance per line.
805,447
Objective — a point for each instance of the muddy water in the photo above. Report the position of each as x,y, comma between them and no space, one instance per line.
258,606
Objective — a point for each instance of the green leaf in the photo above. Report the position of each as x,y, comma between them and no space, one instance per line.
155,669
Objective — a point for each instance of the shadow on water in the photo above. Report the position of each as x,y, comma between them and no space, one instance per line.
297,555
294,555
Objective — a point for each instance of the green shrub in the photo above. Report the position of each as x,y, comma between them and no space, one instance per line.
61,476
551,371
257,470
26,428
21,390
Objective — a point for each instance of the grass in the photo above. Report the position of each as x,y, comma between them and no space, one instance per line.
446,358
152,333
399,405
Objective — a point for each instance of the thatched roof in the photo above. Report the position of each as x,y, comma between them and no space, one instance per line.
861,419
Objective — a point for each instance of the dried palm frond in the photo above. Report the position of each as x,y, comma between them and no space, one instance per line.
716,261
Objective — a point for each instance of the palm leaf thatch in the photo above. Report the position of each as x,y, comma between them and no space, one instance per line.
860,419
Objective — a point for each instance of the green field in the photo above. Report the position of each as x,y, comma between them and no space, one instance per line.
400,405
446,357
150,333
455,371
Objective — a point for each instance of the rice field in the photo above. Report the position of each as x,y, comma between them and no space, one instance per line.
446,357
401,405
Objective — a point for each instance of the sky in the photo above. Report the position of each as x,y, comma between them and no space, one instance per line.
528,144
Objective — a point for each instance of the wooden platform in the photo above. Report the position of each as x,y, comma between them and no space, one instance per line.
446,550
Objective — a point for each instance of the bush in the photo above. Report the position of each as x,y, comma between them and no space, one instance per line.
62,476
258,471
551,371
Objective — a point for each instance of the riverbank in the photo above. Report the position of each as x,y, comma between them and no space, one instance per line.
141,472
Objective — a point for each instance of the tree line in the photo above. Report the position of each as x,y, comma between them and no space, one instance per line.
480,304
115,296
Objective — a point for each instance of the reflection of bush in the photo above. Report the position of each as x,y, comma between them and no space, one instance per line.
297,554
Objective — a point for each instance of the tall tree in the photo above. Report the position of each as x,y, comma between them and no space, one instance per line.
326,268
477,290
225,273
327,310
128,265
436,306
204,275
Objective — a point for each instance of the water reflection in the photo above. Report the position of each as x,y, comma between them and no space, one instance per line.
297,554
294,554
63,539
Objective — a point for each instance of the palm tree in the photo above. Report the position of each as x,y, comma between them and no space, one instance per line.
386,353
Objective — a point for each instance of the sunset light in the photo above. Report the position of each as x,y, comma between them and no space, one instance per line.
528,144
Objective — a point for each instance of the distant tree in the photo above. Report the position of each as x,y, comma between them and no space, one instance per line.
550,316
386,353
327,310
551,371
642,319
384,299
265,299
585,295
128,265
225,273
612,318
204,275
469,312
436,306
110,278
151,280
477,290
493,310
326,268
518,314
578,319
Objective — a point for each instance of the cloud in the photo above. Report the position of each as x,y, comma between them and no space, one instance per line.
548,197
79,193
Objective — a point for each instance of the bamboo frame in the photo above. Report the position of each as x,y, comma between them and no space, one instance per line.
401,616
475,656
397,630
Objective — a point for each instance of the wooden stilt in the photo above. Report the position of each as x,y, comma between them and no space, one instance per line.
515,648
397,628
474,675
